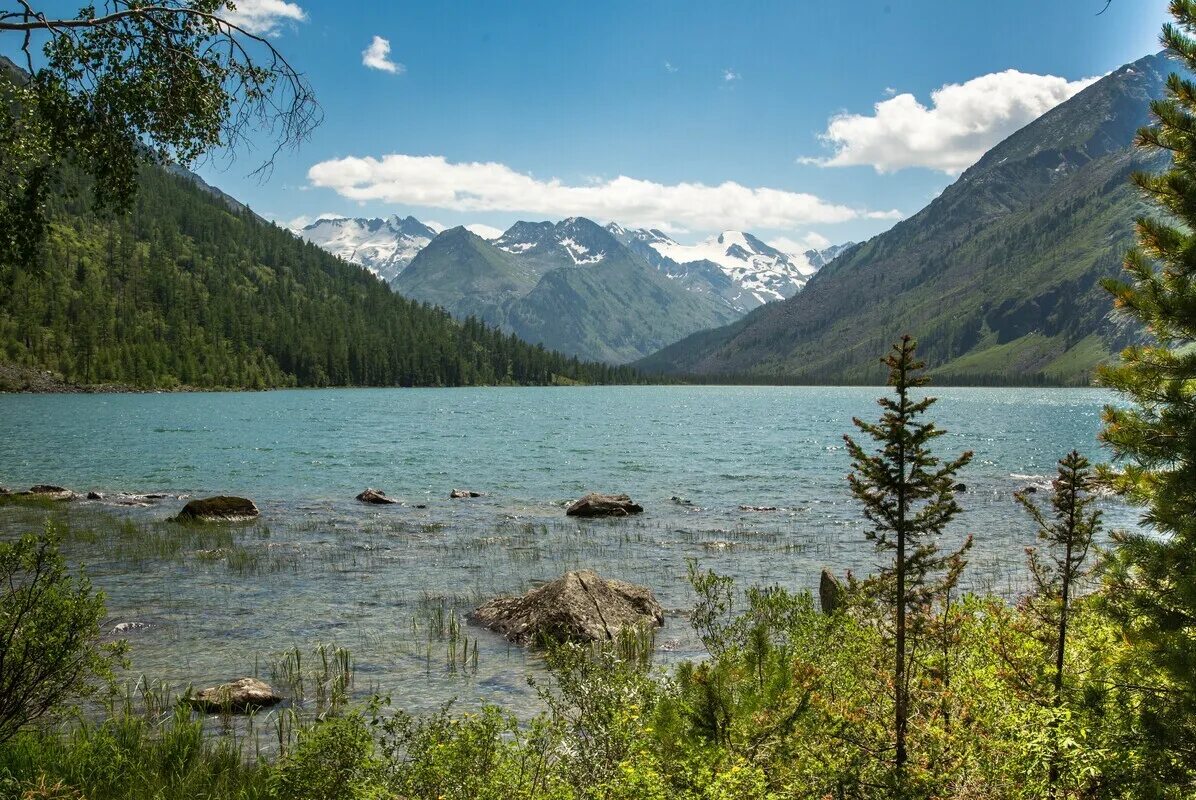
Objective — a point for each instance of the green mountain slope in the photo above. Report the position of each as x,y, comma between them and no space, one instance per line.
998,276
613,311
570,286
483,278
191,289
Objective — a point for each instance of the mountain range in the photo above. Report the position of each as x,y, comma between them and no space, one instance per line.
999,276
643,290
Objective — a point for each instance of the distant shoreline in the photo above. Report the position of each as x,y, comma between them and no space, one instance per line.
17,379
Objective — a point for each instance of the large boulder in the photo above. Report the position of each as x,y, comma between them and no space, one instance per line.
241,695
223,508
376,497
603,505
579,607
830,592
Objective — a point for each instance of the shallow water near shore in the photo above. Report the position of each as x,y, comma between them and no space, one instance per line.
320,567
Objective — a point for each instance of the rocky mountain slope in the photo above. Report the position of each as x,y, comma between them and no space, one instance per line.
998,276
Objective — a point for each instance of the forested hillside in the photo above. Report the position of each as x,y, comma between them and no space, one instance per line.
188,290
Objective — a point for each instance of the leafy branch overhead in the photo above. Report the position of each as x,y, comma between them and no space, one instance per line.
174,79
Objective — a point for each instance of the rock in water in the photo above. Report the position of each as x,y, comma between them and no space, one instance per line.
579,607
830,592
222,508
236,696
94,495
462,494
603,505
377,497
758,508
48,491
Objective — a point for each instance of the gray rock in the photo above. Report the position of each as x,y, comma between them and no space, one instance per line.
462,494
129,627
236,696
830,592
222,508
47,491
94,495
578,607
758,508
376,497
603,505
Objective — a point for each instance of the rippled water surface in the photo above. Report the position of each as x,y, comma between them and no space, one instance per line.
323,568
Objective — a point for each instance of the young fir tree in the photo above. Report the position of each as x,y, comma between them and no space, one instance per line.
908,494
1153,574
1067,536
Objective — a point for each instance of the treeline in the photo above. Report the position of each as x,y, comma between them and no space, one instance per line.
188,291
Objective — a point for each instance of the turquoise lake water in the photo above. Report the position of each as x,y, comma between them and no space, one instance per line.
333,570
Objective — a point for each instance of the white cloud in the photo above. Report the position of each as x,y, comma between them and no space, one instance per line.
668,67
264,17
434,182
811,241
730,75
377,56
961,123
485,231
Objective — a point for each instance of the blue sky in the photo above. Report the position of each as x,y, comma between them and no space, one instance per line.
492,112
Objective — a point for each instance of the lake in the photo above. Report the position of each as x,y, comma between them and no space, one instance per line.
321,567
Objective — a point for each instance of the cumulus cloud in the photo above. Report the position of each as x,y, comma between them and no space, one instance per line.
730,75
668,67
961,123
377,56
811,241
434,182
264,17
485,231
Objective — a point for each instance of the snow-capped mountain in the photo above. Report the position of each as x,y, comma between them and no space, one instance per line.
755,272
820,258
575,241
383,246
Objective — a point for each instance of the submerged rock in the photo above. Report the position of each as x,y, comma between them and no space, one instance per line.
830,592
222,508
462,494
960,487
758,508
236,696
603,505
377,497
579,607
129,627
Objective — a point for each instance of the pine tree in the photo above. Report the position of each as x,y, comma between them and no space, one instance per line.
1153,574
908,494
1067,537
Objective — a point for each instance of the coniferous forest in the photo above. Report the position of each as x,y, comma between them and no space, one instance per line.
188,290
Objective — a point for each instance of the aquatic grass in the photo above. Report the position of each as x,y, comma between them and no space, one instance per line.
148,744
